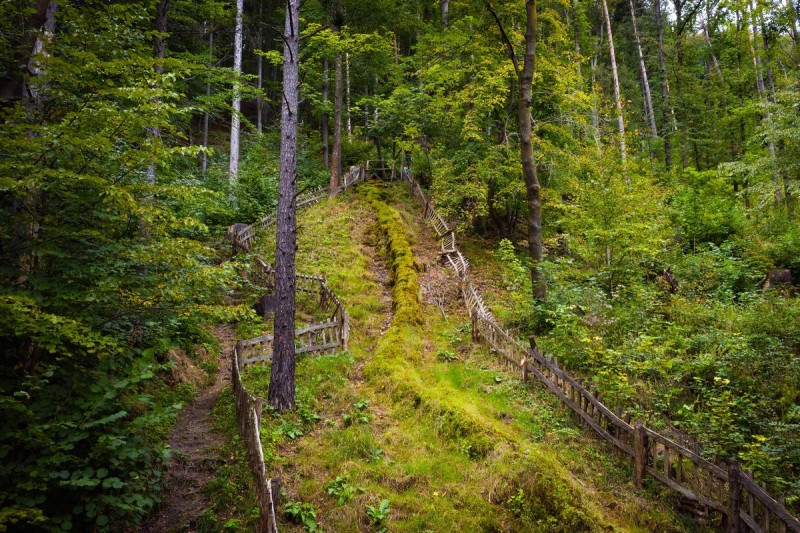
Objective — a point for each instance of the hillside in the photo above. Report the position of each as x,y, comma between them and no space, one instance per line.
418,415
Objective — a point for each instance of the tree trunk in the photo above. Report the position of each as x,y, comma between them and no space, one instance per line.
762,94
325,143
233,171
648,101
159,47
617,95
662,70
707,38
336,157
260,67
347,101
281,386
532,187
445,12
204,156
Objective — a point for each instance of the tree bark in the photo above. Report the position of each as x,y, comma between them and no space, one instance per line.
648,101
529,174
204,156
336,156
445,12
159,47
347,97
260,68
233,169
281,386
325,142
662,70
617,95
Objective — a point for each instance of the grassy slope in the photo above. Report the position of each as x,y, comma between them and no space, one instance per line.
454,446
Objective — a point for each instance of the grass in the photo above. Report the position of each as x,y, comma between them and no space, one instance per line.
455,445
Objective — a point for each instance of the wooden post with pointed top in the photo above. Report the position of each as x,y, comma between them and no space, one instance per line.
473,316
639,453
734,498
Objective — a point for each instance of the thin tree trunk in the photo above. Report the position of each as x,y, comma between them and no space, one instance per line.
445,12
529,174
707,38
281,394
762,93
159,47
617,95
233,171
662,70
347,93
325,142
648,101
204,156
336,157
260,63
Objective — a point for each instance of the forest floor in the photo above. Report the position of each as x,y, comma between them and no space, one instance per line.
195,449
424,420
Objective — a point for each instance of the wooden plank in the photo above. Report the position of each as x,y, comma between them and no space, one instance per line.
695,458
617,421
621,445
685,492
750,522
770,503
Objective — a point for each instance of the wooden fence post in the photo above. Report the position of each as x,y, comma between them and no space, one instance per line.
734,498
524,365
274,489
639,453
473,316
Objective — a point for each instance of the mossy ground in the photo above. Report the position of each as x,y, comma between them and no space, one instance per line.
418,415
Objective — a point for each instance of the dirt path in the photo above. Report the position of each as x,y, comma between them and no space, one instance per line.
195,453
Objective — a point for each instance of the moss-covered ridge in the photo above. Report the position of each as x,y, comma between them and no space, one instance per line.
397,368
403,270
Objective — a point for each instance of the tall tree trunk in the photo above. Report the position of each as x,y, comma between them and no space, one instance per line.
707,38
159,47
233,169
281,385
617,95
445,12
260,68
648,101
347,96
662,71
325,142
762,94
206,115
336,156
529,174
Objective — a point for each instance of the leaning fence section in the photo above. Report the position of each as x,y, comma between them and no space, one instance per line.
248,414
671,458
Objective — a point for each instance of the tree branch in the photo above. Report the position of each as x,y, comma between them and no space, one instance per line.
504,35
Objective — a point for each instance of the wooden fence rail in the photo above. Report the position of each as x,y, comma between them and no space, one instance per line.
672,458
248,413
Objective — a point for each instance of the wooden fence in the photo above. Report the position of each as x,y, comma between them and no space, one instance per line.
248,413
671,458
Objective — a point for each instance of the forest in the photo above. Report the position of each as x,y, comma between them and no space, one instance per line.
623,176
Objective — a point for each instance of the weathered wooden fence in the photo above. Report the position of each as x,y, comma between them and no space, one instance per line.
331,334
672,458
248,413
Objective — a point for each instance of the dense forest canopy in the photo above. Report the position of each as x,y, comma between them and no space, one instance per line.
665,136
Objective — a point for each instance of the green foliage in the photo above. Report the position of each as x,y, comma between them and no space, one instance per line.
360,414
378,514
341,489
301,513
